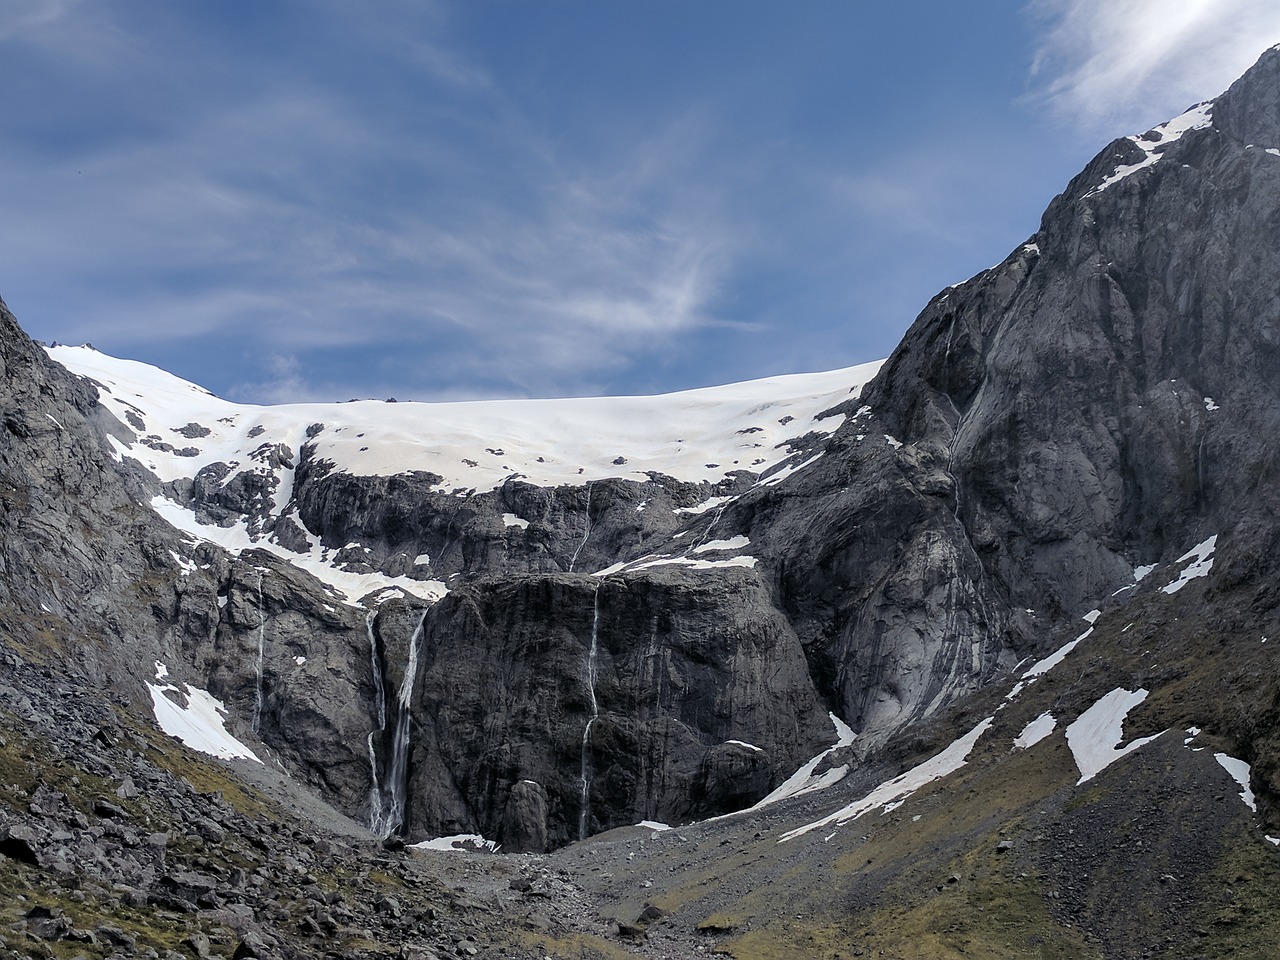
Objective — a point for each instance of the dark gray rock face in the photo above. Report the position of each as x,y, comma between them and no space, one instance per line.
684,662
1105,398
561,529
1111,394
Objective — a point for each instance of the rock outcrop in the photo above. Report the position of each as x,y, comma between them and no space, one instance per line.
648,646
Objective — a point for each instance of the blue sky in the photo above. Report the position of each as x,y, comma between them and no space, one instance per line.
482,198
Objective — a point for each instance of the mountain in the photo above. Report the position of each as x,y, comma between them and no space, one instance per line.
966,653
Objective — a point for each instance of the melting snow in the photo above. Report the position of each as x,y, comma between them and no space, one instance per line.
776,478
1201,556
1240,771
709,504
696,436
891,794
464,842
183,563
1154,142
654,825
1035,731
1095,735
747,562
733,543
803,780
1041,667
351,586
200,724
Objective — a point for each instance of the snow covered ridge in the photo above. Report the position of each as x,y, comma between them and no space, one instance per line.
696,435
1157,139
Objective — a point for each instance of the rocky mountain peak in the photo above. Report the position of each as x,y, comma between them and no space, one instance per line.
1249,111
1000,601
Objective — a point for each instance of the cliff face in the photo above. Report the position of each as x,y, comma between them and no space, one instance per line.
1108,395
572,648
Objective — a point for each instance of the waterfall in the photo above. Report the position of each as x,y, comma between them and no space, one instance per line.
377,808
586,532
707,532
584,808
262,646
395,784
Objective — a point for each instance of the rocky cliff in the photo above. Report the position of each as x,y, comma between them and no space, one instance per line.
449,620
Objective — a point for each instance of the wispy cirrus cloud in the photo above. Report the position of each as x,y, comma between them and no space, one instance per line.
291,217
1126,64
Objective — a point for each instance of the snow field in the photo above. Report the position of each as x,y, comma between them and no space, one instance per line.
199,724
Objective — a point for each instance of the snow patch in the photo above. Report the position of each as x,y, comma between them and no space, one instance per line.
743,743
350,587
733,543
199,724
743,561
708,504
1155,141
1240,771
803,780
776,478
892,793
1041,667
1141,573
1094,737
1201,557
1035,731
511,520
458,843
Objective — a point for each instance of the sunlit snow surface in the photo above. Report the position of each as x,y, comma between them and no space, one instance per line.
460,842
1094,736
1035,731
1154,142
199,725
805,780
696,436
1201,557
1239,770
891,794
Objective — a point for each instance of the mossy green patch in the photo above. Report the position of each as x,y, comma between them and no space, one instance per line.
26,887
1237,915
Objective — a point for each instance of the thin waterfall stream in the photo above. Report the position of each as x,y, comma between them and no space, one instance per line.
586,531
395,786
584,808
377,804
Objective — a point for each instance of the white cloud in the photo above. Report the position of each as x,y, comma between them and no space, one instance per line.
22,18
1121,66
292,217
